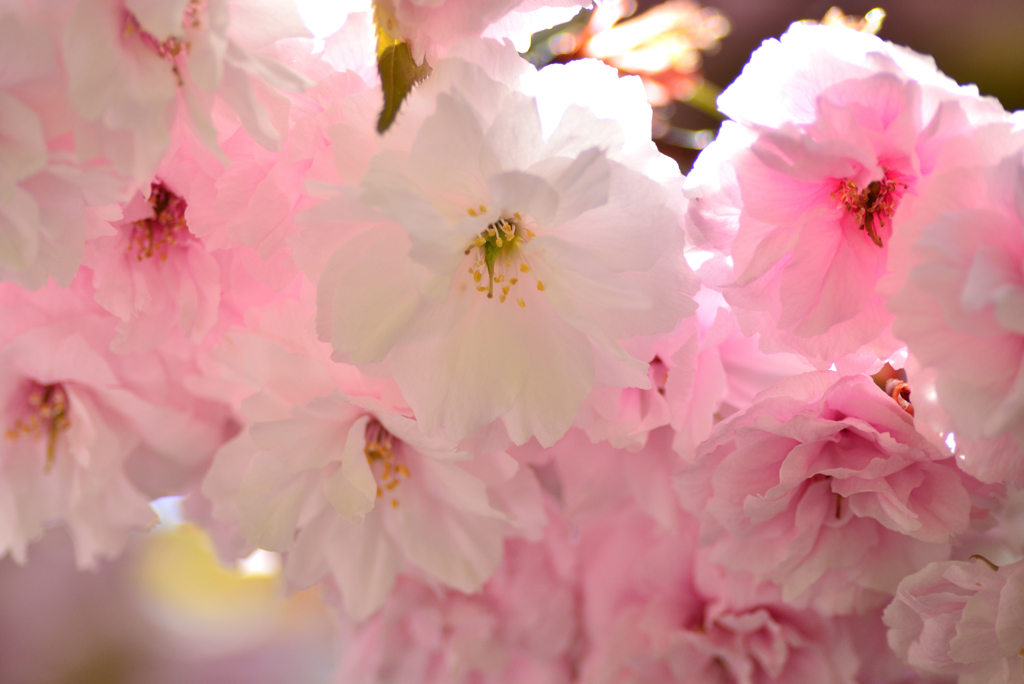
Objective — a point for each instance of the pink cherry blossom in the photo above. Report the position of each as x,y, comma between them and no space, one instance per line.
595,478
432,27
520,628
964,618
961,311
826,477
716,372
656,612
522,238
134,66
90,437
342,484
154,274
42,223
809,189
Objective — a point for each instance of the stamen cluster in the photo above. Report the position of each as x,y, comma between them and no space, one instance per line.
380,453
499,248
164,229
877,201
47,417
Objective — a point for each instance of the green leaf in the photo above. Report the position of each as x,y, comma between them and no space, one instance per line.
398,74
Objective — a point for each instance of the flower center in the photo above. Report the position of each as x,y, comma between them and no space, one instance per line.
164,229
498,252
45,416
388,468
876,202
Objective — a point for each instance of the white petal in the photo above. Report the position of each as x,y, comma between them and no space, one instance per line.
351,489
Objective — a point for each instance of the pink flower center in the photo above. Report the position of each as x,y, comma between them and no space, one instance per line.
166,228
388,467
498,253
876,202
45,414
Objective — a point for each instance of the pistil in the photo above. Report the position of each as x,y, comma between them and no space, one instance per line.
499,253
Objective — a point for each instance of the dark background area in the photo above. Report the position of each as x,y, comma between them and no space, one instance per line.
973,41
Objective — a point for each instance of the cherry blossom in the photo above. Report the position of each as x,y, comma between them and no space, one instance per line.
128,61
845,496
962,618
90,437
342,483
521,627
655,611
42,222
812,187
515,261
960,313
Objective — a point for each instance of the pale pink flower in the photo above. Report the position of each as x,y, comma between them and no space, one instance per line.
962,618
961,311
89,436
654,612
523,237
520,628
825,488
41,202
134,66
168,287
432,27
341,484
595,478
154,274
716,372
809,188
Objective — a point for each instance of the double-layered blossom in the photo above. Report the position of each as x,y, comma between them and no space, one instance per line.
961,311
42,223
522,627
349,486
518,234
134,66
963,618
837,132
90,437
595,477
842,496
655,611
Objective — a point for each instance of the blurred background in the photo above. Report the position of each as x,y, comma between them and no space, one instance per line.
973,41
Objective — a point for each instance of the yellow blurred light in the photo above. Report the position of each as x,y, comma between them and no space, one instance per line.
869,23
180,571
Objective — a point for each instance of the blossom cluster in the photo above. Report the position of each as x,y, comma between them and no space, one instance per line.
524,402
